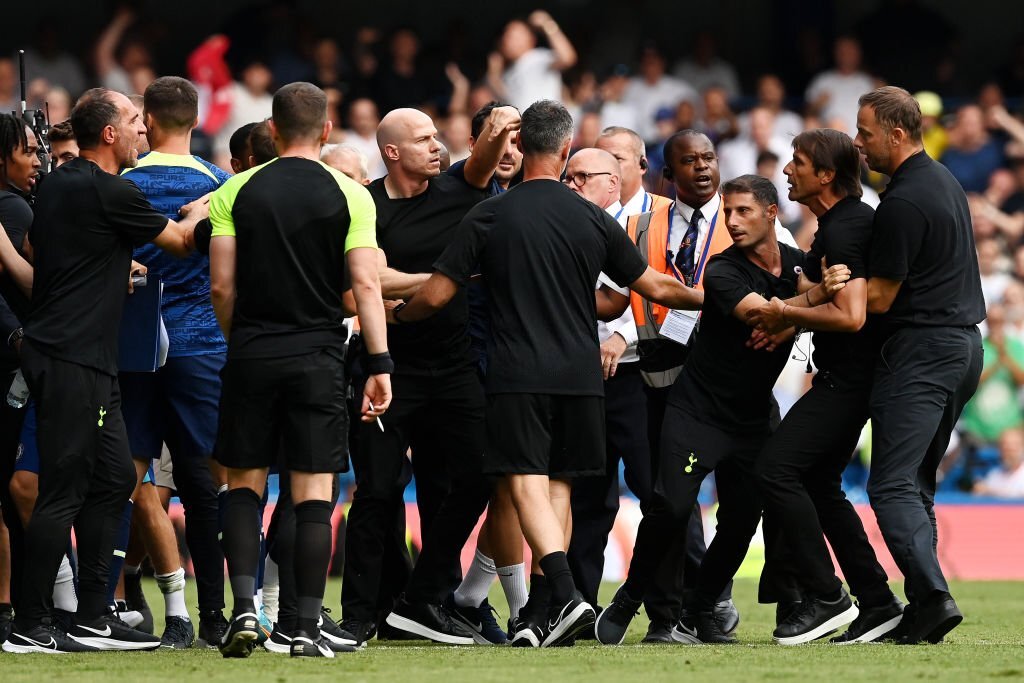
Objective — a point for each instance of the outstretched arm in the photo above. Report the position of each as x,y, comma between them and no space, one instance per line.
435,293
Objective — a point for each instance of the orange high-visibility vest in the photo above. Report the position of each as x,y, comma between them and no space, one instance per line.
649,231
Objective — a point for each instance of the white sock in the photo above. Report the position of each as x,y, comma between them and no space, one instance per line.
477,583
513,582
271,590
64,596
173,587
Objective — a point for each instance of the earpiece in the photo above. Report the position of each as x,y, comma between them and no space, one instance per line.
643,164
667,172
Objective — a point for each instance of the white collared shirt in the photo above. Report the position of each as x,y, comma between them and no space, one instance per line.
640,202
624,324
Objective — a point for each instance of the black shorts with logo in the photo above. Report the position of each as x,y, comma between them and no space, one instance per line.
560,436
289,410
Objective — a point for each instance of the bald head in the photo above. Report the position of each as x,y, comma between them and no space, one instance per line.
407,139
595,175
347,159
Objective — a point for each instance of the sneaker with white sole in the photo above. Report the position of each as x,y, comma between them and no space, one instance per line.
44,638
815,618
279,642
565,621
110,633
873,623
433,622
304,645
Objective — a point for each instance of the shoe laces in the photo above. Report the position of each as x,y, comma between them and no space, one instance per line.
799,612
176,628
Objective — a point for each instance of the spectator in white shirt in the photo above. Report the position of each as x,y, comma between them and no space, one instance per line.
834,94
522,73
1006,481
361,133
616,108
705,68
653,89
771,94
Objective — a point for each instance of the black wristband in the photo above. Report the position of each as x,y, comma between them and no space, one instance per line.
395,311
378,364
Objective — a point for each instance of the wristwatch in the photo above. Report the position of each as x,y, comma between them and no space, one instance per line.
17,335
395,311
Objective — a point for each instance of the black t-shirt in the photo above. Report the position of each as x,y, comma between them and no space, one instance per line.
924,239
844,236
413,232
87,222
293,220
540,248
16,217
723,382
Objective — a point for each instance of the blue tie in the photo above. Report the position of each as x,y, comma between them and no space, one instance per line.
684,257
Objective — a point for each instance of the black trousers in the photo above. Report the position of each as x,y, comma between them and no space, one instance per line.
86,476
442,417
595,500
923,379
690,450
800,472
10,436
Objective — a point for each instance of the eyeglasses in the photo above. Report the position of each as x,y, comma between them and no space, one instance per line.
581,178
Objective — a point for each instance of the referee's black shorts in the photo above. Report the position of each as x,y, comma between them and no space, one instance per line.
560,436
289,410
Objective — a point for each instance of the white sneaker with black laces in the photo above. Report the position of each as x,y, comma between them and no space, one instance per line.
110,633
305,646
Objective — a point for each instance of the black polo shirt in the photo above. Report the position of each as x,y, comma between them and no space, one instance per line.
844,236
540,248
724,382
87,223
923,238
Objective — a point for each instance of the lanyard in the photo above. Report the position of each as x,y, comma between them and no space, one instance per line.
699,270
647,201
621,209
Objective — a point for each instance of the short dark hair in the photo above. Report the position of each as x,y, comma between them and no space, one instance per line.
894,108
94,111
830,150
12,136
762,189
299,111
240,140
61,132
546,127
173,102
262,143
678,137
480,117
767,156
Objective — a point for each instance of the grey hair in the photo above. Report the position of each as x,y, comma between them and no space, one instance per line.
546,127
330,150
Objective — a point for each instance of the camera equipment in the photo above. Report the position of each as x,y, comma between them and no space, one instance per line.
37,120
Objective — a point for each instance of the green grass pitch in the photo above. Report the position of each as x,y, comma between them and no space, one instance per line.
988,646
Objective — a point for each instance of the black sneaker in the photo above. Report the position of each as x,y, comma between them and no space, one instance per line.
784,610
873,623
47,638
279,642
527,630
433,622
565,621
685,630
480,622
727,616
240,638
110,633
815,619
361,631
212,627
305,645
658,632
932,621
614,621
178,634
135,600
334,633
6,621
709,630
